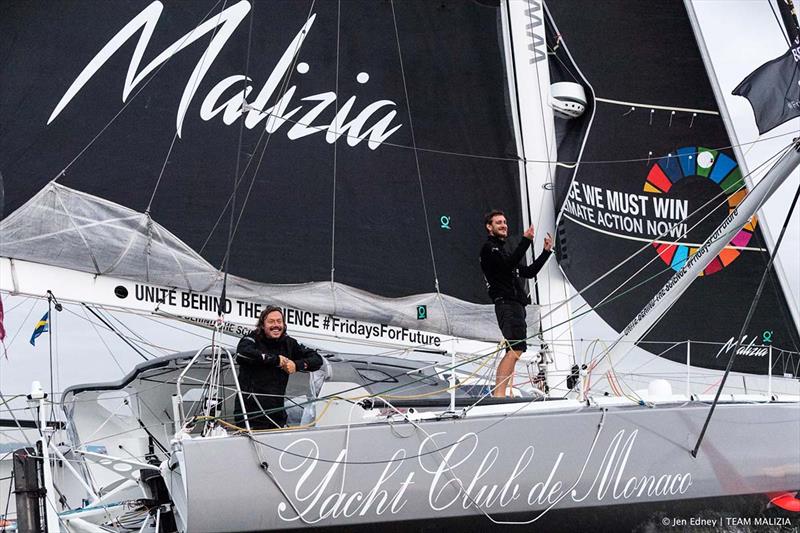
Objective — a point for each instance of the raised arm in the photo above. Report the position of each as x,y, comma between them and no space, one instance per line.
529,271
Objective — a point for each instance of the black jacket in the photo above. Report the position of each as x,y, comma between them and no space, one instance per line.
503,272
259,369
260,373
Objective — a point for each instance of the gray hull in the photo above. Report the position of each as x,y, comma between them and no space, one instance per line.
536,461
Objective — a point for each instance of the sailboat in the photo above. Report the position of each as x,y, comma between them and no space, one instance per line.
197,161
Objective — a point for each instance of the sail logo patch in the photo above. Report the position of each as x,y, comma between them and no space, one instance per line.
716,167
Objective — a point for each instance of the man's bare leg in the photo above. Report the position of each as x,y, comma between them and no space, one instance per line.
505,370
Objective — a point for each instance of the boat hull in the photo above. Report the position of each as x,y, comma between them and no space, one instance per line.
525,464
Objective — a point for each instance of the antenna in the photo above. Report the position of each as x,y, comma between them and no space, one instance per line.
52,298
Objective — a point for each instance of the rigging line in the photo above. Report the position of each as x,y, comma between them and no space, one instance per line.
566,164
284,84
610,298
226,258
578,316
115,331
250,159
419,170
137,392
111,316
22,324
652,360
335,155
161,174
112,414
746,323
612,161
77,229
645,334
784,31
760,139
642,249
25,299
268,134
111,353
196,83
134,339
126,104
83,443
14,417
560,41
146,343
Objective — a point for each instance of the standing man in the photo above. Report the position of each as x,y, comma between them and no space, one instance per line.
503,272
267,356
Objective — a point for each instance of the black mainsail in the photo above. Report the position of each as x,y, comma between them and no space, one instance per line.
372,141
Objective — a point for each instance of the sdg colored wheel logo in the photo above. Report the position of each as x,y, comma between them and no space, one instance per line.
696,161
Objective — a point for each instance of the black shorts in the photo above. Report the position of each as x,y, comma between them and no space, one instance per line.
511,319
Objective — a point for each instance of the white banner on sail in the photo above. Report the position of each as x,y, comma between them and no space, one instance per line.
23,277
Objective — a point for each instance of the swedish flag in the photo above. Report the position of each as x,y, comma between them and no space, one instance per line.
40,328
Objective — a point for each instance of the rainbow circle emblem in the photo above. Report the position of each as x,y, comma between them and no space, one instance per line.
696,161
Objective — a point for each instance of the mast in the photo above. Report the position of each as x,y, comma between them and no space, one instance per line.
534,124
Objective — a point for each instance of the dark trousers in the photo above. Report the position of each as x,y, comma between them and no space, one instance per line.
255,405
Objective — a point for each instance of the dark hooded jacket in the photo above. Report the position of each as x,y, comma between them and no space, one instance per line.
503,271
260,374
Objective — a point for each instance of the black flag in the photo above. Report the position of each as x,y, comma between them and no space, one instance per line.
773,90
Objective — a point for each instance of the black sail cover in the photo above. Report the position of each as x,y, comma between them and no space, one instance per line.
658,181
140,103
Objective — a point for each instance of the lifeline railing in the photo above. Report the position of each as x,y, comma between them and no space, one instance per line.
773,355
214,385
